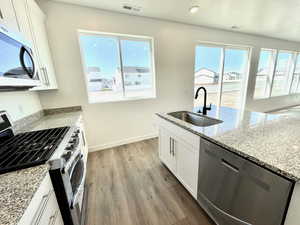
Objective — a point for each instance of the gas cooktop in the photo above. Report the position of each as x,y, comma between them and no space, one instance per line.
29,149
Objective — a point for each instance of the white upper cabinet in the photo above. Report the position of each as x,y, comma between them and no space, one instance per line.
8,15
32,24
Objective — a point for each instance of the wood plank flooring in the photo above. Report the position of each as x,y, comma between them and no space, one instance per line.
128,185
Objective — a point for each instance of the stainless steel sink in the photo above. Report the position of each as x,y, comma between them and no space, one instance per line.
195,119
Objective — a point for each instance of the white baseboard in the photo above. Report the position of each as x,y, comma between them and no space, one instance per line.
121,142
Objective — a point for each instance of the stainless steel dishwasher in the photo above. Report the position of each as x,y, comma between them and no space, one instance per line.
235,191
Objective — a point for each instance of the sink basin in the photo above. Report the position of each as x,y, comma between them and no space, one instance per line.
195,119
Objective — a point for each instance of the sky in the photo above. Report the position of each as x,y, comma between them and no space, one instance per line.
103,52
210,58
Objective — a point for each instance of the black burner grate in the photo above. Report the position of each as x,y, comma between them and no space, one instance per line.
30,149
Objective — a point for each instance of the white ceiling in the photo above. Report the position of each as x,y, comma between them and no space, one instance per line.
273,18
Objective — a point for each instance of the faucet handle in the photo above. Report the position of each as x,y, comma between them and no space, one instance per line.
209,108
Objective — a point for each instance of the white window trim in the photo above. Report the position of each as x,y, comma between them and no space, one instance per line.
222,63
291,73
120,37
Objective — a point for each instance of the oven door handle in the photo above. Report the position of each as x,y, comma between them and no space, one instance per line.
69,165
75,196
75,163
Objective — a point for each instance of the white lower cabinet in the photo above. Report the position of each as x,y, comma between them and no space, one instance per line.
166,149
43,208
187,166
180,157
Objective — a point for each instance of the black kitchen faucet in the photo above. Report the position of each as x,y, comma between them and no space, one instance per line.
205,108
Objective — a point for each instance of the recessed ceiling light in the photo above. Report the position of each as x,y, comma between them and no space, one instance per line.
194,9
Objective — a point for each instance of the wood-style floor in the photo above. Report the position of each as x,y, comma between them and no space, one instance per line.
128,185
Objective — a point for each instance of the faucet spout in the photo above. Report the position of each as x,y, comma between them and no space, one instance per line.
205,108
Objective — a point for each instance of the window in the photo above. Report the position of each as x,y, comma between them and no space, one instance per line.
282,73
278,74
222,71
264,73
117,67
295,88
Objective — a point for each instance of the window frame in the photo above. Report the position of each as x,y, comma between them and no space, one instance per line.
223,47
290,77
119,38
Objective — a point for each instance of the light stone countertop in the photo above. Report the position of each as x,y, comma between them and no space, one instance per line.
16,191
270,140
17,188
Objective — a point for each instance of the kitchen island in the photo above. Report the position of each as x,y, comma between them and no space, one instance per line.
266,141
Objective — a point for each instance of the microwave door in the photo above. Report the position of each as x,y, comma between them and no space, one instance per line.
17,68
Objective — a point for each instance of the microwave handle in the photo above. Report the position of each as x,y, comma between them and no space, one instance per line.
22,53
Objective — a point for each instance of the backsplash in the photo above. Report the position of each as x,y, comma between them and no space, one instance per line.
20,104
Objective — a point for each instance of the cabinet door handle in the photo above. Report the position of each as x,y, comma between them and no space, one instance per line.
173,147
170,146
45,71
53,218
1,15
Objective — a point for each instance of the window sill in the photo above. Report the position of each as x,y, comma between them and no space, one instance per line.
123,99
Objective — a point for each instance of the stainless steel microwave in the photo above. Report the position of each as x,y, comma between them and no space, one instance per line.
17,66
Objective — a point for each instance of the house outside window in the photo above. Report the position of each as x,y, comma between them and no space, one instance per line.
117,67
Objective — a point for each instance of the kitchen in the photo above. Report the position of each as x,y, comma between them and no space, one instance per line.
129,182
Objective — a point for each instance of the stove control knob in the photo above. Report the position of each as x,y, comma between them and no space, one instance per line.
70,147
73,140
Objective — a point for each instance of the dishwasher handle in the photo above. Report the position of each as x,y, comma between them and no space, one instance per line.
230,166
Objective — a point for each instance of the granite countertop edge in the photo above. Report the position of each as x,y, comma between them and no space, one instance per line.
255,160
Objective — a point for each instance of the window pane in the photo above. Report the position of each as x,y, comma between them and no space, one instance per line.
207,69
137,63
264,73
101,57
295,84
235,68
279,86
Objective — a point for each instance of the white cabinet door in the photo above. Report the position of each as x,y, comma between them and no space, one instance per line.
22,16
38,27
187,165
166,150
43,208
8,15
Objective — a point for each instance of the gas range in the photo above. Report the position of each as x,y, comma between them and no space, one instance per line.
27,149
63,149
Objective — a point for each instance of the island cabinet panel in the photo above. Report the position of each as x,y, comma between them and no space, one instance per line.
43,208
180,156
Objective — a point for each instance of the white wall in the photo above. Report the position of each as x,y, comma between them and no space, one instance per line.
109,123
19,104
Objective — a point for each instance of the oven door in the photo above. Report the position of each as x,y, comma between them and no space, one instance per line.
17,68
77,181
